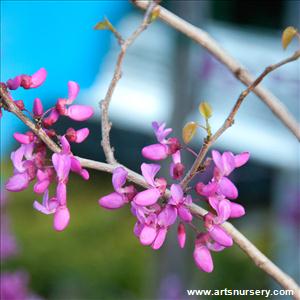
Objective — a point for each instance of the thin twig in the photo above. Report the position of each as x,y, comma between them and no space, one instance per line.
104,104
230,119
205,40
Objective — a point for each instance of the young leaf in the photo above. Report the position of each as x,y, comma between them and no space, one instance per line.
189,131
287,36
102,25
155,14
205,110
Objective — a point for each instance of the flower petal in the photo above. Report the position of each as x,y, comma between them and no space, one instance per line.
61,218
14,83
119,178
219,235
39,207
177,193
61,193
81,135
167,216
17,158
184,214
160,238
228,162
38,78
17,182
41,186
155,152
147,197
217,158
149,171
237,210
203,258
62,165
227,188
22,138
224,211
73,90
241,159
147,235
80,112
216,247
112,201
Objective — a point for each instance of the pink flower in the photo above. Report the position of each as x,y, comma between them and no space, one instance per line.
48,206
75,112
156,189
160,132
179,201
56,207
153,223
165,147
44,178
202,255
216,232
176,167
77,136
27,81
122,195
24,170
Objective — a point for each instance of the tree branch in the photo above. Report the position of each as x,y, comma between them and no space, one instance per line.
104,104
230,119
205,40
258,257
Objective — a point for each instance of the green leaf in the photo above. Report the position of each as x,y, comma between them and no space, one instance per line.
287,36
205,110
189,131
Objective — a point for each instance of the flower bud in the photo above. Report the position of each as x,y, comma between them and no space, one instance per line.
61,218
38,108
181,235
20,104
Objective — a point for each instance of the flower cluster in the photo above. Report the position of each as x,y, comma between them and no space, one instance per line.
30,160
157,209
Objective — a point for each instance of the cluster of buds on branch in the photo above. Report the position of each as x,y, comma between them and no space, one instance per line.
31,160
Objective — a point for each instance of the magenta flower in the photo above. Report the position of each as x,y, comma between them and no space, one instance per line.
44,178
121,195
75,112
225,164
153,223
216,232
156,188
165,147
179,201
48,206
27,81
24,170
77,136
176,167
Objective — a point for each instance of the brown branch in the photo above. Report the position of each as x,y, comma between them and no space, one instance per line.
206,41
258,257
104,104
230,119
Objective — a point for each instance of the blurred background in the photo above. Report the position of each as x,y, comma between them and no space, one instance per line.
165,77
